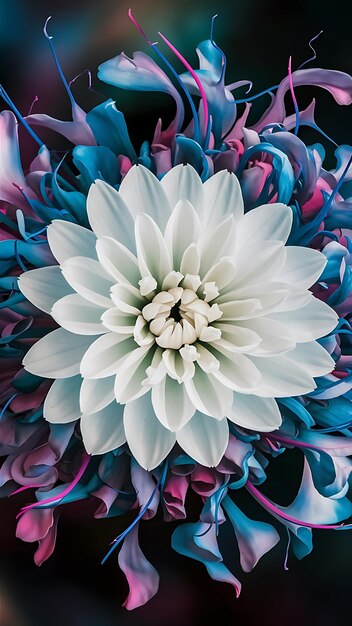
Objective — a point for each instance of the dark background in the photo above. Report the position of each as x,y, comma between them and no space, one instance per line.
72,589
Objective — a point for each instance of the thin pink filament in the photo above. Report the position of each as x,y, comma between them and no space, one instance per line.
36,99
13,493
82,469
292,442
139,27
194,76
297,443
270,506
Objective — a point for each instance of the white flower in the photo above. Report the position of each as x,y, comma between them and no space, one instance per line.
177,313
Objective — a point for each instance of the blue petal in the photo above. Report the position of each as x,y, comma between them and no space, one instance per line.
95,162
222,105
110,129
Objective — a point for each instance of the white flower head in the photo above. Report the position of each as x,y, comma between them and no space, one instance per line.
177,313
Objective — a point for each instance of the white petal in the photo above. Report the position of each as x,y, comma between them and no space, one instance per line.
96,394
118,261
119,322
240,309
243,339
315,359
171,280
208,395
261,290
153,255
259,263
67,240
222,197
294,299
206,360
142,192
108,214
312,321
209,333
130,382
141,332
104,356
78,315
103,431
147,285
181,230
177,367
171,404
44,286
266,222
128,299
204,439
282,377
275,338
149,441
274,297
222,273
61,404
183,183
57,355
217,243
302,267
259,414
157,369
236,371
190,263
87,277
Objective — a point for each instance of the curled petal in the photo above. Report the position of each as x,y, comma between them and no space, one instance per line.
337,83
142,577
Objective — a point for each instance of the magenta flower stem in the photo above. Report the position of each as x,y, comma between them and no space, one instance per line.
270,506
57,499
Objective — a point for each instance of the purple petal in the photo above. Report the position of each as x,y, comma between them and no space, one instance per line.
144,485
174,497
77,131
337,83
47,544
142,577
34,525
254,538
11,172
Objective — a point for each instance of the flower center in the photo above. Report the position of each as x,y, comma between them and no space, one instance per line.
175,313
178,317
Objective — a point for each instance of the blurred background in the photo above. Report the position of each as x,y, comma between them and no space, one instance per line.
72,589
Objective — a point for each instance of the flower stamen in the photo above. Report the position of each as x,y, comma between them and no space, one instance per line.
178,317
